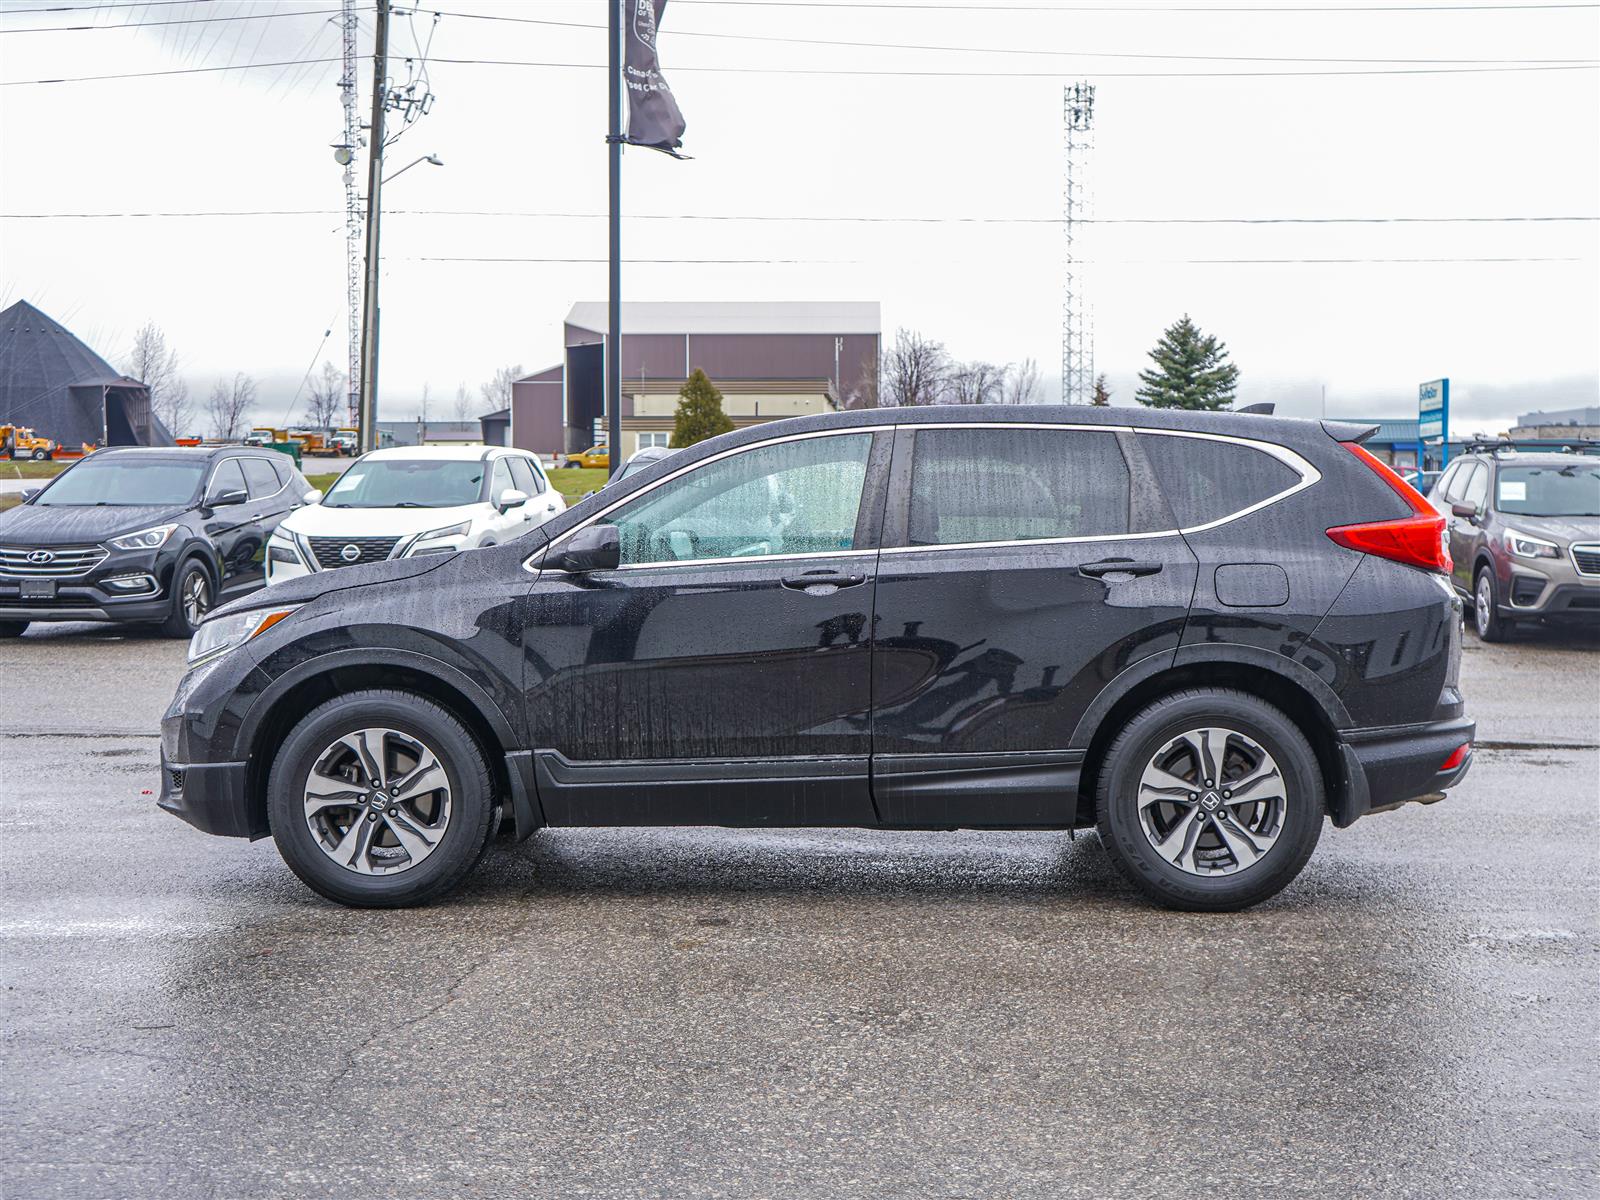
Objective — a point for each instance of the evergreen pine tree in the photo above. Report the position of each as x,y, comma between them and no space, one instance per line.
1191,371
699,414
1102,394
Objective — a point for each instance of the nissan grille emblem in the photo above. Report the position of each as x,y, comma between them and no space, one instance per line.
351,552
41,556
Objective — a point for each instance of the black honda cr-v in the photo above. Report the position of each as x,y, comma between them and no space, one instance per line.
1199,633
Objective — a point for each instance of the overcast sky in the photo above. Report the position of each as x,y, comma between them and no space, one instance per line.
966,136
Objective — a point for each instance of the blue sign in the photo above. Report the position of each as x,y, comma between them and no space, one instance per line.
1433,419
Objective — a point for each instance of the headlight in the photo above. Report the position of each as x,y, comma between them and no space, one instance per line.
146,539
458,530
221,634
1527,546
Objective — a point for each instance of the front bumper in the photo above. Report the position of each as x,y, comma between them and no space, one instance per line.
1387,767
210,796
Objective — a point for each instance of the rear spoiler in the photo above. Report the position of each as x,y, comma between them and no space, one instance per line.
1347,431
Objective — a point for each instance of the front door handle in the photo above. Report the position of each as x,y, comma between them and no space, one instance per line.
823,582
1118,566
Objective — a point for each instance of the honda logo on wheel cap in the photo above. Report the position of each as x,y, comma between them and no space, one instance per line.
350,553
41,556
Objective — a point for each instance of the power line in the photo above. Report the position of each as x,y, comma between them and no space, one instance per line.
266,16
1031,51
811,218
814,262
1115,8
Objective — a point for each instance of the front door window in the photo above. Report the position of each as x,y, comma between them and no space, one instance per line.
801,496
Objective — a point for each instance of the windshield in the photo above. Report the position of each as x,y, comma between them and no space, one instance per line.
407,483
1570,490
126,482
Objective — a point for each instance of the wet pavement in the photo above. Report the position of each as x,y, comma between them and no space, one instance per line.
817,1014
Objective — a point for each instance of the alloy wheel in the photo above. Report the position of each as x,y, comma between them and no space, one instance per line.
377,801
196,598
1483,603
1212,801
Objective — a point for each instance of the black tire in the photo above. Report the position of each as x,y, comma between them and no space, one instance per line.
12,629
1487,622
1144,737
472,814
179,622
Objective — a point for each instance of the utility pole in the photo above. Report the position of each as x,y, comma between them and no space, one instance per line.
614,300
345,155
369,310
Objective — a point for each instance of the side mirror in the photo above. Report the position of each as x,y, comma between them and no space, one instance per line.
1469,511
229,497
592,548
511,498
314,496
30,493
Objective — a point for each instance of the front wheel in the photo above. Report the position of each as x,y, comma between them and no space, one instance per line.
1486,618
41,456
191,600
380,799
1210,800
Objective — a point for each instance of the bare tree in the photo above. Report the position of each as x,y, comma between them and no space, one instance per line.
155,364
464,403
497,392
230,405
975,383
328,399
914,370
1102,394
422,414
1022,382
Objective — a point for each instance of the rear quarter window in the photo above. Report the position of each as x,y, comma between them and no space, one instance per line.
1206,480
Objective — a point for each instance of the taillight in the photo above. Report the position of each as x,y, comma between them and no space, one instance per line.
1417,540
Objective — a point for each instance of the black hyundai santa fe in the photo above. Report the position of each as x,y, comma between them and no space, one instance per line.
1198,633
144,534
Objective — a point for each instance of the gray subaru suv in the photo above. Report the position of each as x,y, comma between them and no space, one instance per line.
1524,531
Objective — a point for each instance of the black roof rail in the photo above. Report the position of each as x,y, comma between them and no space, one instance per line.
1505,445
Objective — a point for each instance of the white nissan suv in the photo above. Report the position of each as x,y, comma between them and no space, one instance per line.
414,500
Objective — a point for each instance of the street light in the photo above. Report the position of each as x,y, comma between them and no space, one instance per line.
432,159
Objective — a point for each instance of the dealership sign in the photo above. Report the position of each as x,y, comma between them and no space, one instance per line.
1433,418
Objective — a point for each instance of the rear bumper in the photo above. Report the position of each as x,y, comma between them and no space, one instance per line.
210,796
1386,767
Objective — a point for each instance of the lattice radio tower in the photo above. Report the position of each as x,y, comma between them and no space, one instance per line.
345,153
1077,332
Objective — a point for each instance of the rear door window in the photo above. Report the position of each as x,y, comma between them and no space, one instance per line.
263,480
1206,480
1015,485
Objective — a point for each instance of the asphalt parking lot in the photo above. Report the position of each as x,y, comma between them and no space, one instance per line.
808,1014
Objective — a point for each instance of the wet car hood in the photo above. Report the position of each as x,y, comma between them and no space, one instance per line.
72,524
304,588
1562,529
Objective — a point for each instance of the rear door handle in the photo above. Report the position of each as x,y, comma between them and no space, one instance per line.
823,582
1119,566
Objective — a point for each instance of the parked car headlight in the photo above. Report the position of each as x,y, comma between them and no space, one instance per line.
146,539
1525,545
221,634
432,541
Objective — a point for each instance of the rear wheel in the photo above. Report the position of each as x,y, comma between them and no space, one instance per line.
1486,618
380,799
12,629
1210,800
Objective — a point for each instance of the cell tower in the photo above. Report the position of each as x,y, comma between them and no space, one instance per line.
345,153
1077,333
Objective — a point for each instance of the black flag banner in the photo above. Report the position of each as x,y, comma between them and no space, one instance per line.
653,116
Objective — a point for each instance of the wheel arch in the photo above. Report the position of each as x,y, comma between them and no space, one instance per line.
1304,698
295,693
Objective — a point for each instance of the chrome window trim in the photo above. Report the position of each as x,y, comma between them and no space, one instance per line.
1309,477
